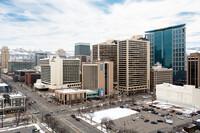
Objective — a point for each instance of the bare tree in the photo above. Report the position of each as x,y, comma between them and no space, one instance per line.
18,117
107,122
133,100
79,111
91,115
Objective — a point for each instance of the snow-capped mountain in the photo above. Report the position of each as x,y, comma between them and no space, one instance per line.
28,54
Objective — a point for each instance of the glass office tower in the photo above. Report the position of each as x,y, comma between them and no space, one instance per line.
167,46
82,49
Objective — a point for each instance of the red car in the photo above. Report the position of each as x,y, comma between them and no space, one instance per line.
194,114
133,109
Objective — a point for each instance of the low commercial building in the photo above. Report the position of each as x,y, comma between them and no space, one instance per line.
98,76
19,75
31,78
160,75
19,65
187,95
12,102
70,96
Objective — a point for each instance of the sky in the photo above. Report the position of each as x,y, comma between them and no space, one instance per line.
53,24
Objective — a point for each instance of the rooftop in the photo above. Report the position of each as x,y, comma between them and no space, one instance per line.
73,90
16,95
3,84
82,43
166,28
158,67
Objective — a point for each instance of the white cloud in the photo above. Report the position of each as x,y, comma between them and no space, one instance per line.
60,24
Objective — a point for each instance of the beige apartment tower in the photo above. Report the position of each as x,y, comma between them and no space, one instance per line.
5,56
193,69
106,51
133,65
160,75
98,76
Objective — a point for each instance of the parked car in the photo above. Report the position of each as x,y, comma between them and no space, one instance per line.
193,113
146,120
138,110
141,116
179,113
198,111
134,119
73,116
48,114
188,115
62,109
36,112
121,106
153,122
160,120
132,108
163,109
158,107
77,119
180,117
35,130
171,111
169,121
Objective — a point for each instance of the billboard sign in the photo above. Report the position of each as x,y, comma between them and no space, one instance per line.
101,92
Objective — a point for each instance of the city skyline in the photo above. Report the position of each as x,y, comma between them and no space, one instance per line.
61,24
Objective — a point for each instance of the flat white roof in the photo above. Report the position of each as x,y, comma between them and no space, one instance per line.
16,95
73,90
3,84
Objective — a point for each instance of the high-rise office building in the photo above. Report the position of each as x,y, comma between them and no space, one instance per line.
167,46
82,49
39,56
83,58
19,65
106,51
133,65
57,72
98,76
193,69
5,56
160,75
61,53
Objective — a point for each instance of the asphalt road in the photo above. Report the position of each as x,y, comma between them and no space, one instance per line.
64,117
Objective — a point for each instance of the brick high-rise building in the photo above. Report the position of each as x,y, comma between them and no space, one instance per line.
193,69
106,51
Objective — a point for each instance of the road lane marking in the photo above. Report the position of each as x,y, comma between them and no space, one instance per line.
69,126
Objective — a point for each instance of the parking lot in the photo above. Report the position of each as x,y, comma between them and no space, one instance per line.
140,125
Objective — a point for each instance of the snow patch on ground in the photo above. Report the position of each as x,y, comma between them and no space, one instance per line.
114,113
46,126
164,105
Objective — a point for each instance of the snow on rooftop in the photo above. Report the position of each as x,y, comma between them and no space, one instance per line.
113,114
70,90
16,95
3,84
19,127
